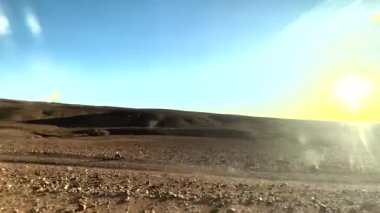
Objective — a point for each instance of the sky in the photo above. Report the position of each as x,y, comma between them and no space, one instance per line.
299,59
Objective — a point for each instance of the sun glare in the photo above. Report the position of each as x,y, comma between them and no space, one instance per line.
352,90
54,97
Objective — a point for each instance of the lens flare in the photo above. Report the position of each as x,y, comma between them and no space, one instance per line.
376,18
362,157
351,90
4,25
32,23
54,97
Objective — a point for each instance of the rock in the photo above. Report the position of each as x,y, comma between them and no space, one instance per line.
219,204
118,155
82,207
209,198
313,199
9,186
35,210
66,187
314,168
289,209
41,189
322,208
269,202
172,194
231,210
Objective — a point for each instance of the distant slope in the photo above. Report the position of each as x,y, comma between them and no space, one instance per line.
68,115
116,119
11,110
311,141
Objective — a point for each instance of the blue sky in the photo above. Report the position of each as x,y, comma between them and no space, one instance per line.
228,56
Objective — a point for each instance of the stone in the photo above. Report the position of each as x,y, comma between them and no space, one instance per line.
322,208
231,210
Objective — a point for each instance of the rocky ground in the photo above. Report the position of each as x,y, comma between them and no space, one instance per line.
168,174
42,188
72,158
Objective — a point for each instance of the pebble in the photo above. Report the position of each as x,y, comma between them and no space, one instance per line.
322,208
231,210
82,207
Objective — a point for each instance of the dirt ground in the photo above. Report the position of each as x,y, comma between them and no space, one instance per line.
166,174
62,158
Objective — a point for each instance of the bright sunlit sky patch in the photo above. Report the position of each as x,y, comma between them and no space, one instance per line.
262,58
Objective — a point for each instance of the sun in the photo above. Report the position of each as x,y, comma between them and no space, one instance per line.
352,90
